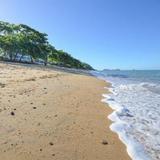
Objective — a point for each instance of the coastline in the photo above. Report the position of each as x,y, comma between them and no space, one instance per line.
136,149
57,115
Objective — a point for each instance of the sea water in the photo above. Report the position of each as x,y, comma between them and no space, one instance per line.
135,99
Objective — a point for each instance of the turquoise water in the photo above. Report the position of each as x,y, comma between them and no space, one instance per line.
137,75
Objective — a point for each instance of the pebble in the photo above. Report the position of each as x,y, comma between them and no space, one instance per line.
12,113
51,143
104,142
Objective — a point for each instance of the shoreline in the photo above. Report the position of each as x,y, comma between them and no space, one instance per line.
134,149
51,114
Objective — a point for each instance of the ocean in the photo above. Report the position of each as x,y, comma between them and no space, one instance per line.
135,99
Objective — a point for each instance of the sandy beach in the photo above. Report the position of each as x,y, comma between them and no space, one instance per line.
48,114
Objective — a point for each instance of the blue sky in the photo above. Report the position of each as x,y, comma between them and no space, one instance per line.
121,34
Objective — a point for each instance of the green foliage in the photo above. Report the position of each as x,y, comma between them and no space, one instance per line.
66,60
21,39
24,40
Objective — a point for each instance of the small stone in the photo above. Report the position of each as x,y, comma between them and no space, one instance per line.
53,154
51,143
104,142
41,149
12,113
2,85
34,107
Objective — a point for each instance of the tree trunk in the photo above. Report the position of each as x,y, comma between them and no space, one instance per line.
46,60
11,56
15,57
21,58
31,59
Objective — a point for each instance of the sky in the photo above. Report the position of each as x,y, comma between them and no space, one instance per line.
108,34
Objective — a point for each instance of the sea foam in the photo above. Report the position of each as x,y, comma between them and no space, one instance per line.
134,149
135,117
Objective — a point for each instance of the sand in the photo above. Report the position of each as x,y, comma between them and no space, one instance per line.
46,114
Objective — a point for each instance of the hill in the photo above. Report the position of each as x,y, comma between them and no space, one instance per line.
19,42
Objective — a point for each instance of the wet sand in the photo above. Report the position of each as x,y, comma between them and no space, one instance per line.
46,114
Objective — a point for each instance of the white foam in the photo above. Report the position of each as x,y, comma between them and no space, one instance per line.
136,115
134,149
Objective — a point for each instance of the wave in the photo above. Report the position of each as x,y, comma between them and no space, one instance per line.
135,117
152,87
134,149
117,75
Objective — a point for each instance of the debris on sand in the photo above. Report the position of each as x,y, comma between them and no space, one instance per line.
51,143
104,142
2,85
12,113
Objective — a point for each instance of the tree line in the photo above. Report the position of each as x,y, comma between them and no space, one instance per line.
20,39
